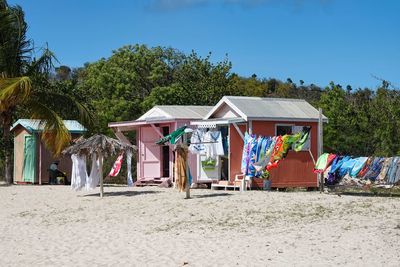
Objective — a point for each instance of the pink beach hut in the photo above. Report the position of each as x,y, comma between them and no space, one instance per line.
155,162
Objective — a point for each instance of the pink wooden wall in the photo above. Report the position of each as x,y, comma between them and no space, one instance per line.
149,159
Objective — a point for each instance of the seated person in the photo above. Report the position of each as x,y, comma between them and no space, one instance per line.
54,172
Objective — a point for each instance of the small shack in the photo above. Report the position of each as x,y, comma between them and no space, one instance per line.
155,162
31,157
234,115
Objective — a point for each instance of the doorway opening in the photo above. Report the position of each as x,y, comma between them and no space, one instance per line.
165,154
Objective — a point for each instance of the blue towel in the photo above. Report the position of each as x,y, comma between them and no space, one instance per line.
358,165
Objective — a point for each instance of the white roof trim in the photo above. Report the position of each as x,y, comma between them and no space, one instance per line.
226,101
214,123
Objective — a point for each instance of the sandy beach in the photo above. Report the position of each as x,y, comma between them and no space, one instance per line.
55,226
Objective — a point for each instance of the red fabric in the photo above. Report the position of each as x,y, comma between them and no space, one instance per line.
117,166
329,161
273,163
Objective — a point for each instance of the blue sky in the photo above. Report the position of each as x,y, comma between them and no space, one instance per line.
317,41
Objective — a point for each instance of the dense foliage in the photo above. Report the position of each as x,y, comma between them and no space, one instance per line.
135,78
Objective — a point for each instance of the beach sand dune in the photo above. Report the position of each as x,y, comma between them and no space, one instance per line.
55,226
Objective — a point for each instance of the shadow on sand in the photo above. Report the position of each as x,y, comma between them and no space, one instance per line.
122,193
213,195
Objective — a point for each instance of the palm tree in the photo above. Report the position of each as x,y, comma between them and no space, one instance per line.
22,79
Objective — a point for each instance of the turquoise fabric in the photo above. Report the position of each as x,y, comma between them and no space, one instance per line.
358,165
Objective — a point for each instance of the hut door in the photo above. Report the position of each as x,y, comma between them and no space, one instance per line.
29,159
150,153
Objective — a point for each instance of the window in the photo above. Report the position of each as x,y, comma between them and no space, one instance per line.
282,129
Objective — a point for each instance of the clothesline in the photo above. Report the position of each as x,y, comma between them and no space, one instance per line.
346,170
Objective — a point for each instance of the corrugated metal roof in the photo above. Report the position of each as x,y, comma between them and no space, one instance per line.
176,112
271,108
35,125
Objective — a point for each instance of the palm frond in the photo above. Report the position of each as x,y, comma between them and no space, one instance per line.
15,48
14,91
63,101
55,135
43,64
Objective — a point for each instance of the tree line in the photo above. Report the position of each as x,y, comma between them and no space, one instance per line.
363,121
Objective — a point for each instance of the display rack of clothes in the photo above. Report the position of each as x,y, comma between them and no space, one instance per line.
347,170
208,143
263,153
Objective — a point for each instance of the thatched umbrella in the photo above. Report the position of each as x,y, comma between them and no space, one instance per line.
103,145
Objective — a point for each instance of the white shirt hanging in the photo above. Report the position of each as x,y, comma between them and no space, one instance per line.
94,178
79,174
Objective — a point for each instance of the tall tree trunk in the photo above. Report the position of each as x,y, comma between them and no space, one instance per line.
7,146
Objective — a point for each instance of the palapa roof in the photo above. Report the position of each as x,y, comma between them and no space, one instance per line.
258,108
99,142
31,125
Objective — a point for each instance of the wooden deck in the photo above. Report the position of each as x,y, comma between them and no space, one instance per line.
162,182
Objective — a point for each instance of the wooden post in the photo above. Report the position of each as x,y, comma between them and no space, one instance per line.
320,148
40,162
187,167
100,155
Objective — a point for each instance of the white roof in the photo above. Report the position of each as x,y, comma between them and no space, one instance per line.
31,125
258,108
175,112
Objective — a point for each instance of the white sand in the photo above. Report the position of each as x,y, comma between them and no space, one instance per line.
54,226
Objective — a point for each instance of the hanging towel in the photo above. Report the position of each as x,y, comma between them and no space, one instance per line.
79,173
94,178
251,171
375,169
366,168
305,134
180,165
392,170
266,157
172,137
246,150
384,170
196,140
128,164
358,165
321,163
116,168
348,164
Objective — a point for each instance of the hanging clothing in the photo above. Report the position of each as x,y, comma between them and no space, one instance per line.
251,159
245,154
384,170
305,135
129,167
366,167
334,175
79,173
393,170
94,178
180,167
196,142
358,165
323,162
116,168
266,153
375,169
172,137
213,144
347,165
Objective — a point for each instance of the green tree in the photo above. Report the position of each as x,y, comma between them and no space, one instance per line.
22,79
117,86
